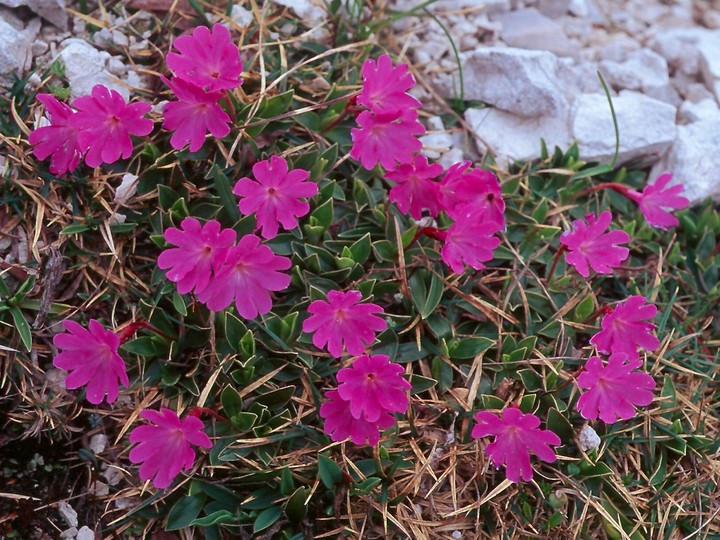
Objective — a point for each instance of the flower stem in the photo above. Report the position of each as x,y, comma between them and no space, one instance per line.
619,188
127,332
558,254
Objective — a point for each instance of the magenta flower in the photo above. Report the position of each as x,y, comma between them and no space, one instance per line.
200,252
373,386
196,114
387,138
164,448
274,195
623,330
340,423
464,191
207,60
657,200
59,139
613,389
415,190
105,123
591,245
248,274
342,320
91,357
471,241
516,435
385,88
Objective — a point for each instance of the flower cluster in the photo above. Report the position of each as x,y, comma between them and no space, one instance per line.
97,127
207,64
389,128
207,262
370,390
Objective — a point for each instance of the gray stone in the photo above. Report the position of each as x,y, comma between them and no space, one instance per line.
68,513
510,137
530,29
16,49
705,109
680,47
642,71
85,533
50,10
646,125
85,67
518,81
694,160
554,8
709,51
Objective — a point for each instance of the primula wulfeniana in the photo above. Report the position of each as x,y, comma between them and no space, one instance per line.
657,200
275,195
516,435
625,329
464,192
341,424
58,139
247,275
343,320
385,87
164,448
200,252
92,359
207,59
195,114
415,189
388,138
614,389
373,386
105,123
589,246
471,241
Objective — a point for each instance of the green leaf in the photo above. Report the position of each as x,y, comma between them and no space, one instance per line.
600,469
367,485
244,421
184,512
216,518
75,228
287,484
421,384
469,348
425,298
323,214
267,518
296,507
231,401
224,191
360,250
491,402
276,399
275,105
584,309
329,471
179,303
527,403
560,425
22,326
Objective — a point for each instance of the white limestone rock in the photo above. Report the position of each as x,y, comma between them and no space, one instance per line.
85,533
518,81
646,125
554,8
50,10
705,109
510,137
680,47
530,29
68,514
694,160
642,71
16,49
709,51
241,16
588,439
85,67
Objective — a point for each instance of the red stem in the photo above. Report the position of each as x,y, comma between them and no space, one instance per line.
619,188
558,254
127,332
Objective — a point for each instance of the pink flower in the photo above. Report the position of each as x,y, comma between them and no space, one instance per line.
471,241
194,115
58,139
207,60
248,274
373,386
387,138
342,320
613,389
275,195
591,245
199,253
656,201
340,424
415,190
516,435
105,123
92,359
164,448
385,88
464,191
623,330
